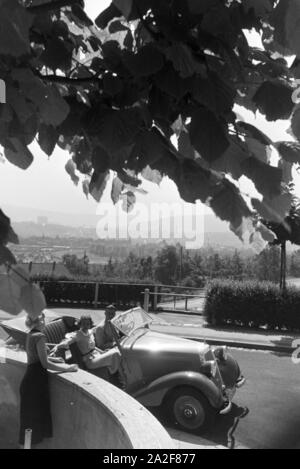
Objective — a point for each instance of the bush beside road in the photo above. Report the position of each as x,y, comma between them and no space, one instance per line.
252,305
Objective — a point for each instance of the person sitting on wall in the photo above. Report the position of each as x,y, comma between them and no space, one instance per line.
92,356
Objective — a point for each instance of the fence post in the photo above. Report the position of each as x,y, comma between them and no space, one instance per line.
96,295
146,299
155,298
186,303
27,441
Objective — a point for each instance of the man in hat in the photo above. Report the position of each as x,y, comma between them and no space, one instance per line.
103,332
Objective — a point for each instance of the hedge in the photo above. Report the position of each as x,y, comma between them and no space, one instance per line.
252,304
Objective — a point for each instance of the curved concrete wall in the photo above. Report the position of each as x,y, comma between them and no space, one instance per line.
88,413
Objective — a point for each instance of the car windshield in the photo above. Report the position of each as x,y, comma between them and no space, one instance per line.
131,320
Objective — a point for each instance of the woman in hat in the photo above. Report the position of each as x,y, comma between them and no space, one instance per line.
35,411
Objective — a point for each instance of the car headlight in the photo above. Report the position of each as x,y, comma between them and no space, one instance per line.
221,353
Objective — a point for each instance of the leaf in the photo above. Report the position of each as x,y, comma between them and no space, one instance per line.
267,179
57,54
129,179
98,184
81,16
150,147
7,234
275,209
18,154
169,81
253,132
193,181
47,99
107,15
184,61
112,85
289,151
18,102
14,29
199,7
152,175
117,189
147,61
6,256
260,7
214,92
274,100
71,170
124,6
287,171
185,147
258,150
292,26
100,159
207,134
266,234
48,137
86,187
295,125
54,109
118,129
231,161
117,26
129,200
229,205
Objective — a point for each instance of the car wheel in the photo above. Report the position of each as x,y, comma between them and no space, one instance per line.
190,411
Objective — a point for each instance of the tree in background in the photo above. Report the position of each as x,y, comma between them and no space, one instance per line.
267,264
109,269
294,268
116,94
287,230
166,265
147,269
76,265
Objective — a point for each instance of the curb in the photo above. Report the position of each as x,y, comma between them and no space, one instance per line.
246,345
233,343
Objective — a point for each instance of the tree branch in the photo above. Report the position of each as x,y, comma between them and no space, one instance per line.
55,5
69,81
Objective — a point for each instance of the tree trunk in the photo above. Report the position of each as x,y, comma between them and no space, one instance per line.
283,268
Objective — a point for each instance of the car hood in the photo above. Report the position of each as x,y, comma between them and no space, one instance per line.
149,340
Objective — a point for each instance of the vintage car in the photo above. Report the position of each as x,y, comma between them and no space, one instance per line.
192,381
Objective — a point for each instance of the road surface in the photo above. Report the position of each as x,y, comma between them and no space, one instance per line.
266,414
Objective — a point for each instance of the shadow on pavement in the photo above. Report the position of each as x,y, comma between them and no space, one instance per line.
223,433
226,426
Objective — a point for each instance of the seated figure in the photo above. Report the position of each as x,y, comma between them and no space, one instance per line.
103,332
92,356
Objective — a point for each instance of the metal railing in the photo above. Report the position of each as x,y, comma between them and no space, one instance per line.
175,296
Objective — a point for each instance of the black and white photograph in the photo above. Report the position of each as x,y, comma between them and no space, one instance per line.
149,227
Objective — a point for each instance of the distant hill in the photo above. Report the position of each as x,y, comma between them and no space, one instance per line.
29,229
66,225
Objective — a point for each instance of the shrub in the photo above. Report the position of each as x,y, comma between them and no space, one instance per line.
252,304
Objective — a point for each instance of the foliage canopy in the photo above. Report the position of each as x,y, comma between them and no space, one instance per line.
152,88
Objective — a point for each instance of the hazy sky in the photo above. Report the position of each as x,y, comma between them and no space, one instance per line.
45,185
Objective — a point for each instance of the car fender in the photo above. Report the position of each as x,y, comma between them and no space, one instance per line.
154,393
